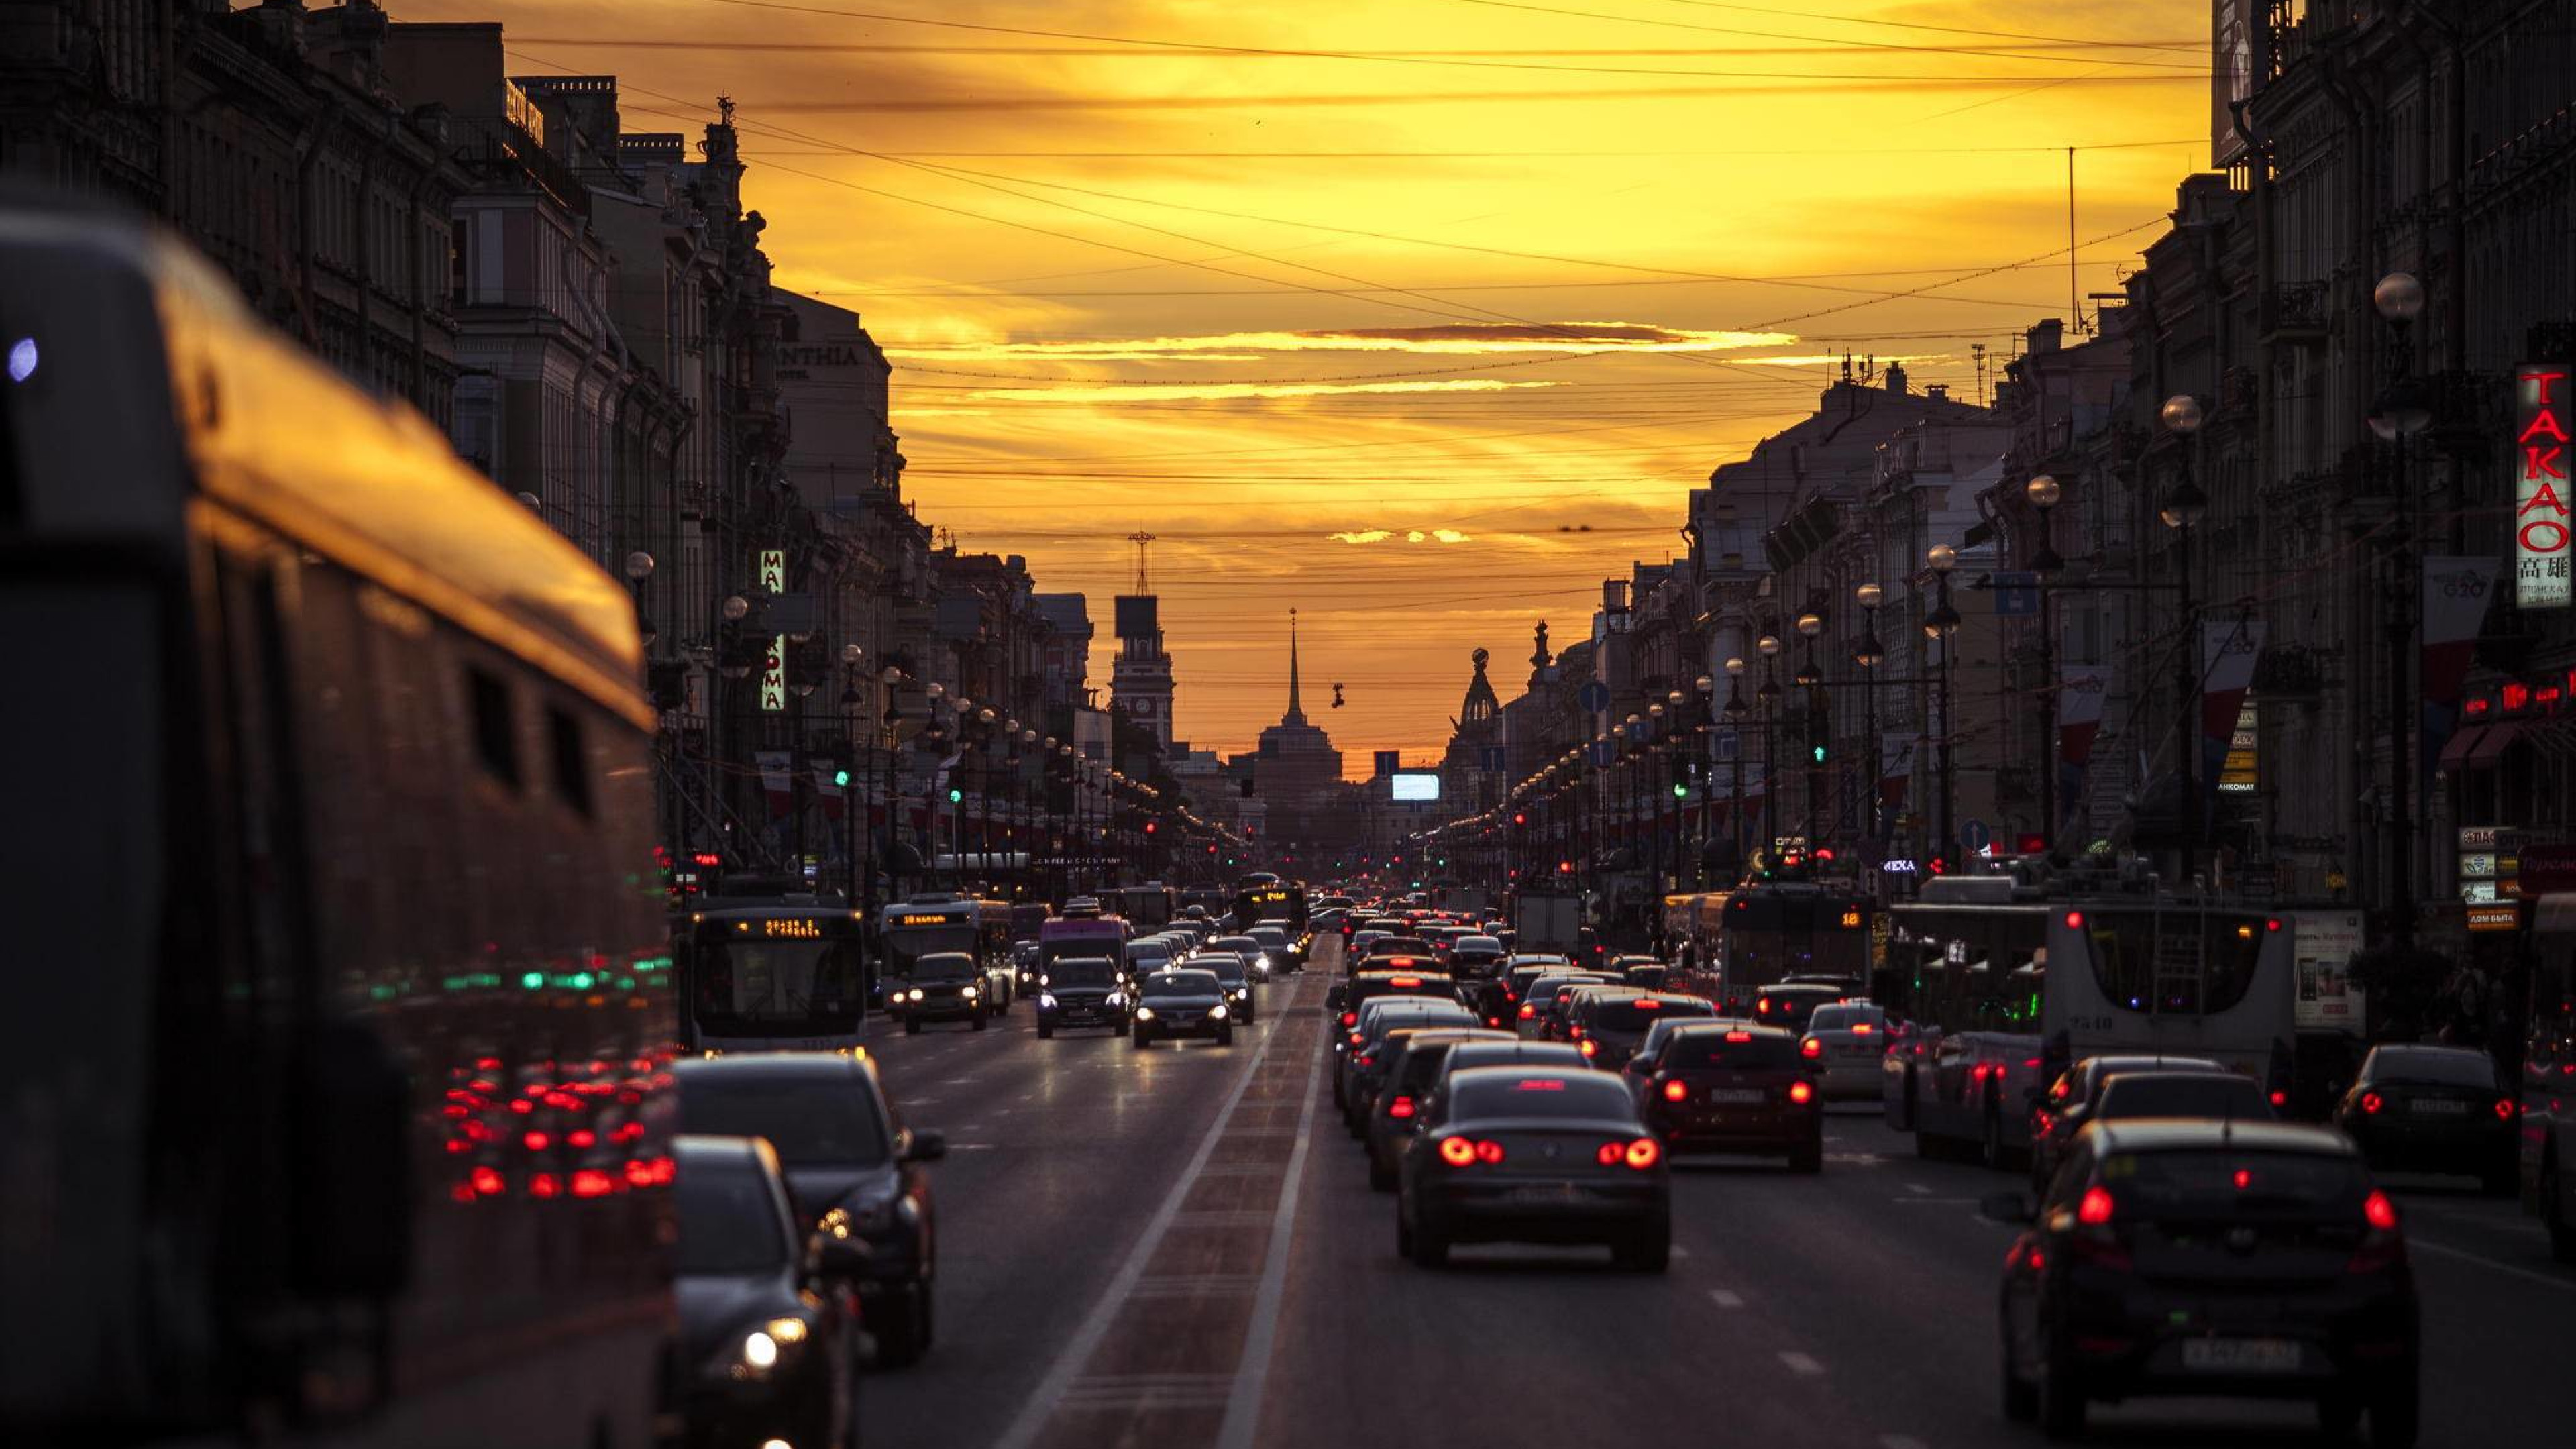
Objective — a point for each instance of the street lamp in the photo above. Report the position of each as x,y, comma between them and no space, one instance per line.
639,567
2183,508
1734,712
1869,654
1942,625
2402,409
1768,646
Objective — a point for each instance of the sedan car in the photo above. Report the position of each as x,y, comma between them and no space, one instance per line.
2434,1109
1608,1025
943,986
1076,991
1476,958
1174,1004
1234,974
1539,1004
2069,1102
853,1172
1264,965
2210,1258
768,1342
1850,1037
1363,1066
1790,1003
1519,1154
1420,1055
1732,1087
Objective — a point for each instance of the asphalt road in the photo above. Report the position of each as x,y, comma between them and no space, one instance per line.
1180,1248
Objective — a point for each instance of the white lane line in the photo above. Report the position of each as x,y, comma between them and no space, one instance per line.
1724,1299
1802,1365
1077,1350
1916,1188
1899,1441
957,1082
2483,1261
1252,1371
970,1146
911,1102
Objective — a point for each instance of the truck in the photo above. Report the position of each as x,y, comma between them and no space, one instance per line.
1548,922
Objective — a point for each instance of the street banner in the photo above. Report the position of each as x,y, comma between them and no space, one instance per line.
2456,594
2228,651
830,792
1895,769
2081,690
775,780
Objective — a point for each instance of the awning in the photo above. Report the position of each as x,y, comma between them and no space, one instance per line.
2455,755
2492,743
2554,914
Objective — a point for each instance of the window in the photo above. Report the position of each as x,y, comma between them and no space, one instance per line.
496,744
572,765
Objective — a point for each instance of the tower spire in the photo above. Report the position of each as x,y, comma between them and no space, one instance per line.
1295,715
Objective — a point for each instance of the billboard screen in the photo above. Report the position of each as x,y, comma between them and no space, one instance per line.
1415,785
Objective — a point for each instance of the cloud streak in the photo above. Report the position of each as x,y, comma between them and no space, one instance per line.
1457,339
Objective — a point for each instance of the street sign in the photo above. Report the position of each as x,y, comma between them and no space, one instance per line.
1976,837
2505,917
1594,696
1603,752
2016,594
1729,742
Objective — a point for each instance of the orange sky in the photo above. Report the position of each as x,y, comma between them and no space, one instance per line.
1495,272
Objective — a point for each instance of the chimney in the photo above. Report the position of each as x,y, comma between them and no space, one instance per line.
2047,335
1896,377
1938,391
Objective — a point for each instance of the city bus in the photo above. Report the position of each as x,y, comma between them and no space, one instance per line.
1149,907
1773,930
780,973
332,905
930,923
1272,901
1102,936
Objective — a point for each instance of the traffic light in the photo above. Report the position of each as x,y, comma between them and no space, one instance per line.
841,777
1681,789
1149,827
1520,817
956,796
1818,751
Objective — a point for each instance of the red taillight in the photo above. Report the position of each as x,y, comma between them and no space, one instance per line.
1589,1048
2075,920
2280,1099
1357,1039
1457,1151
1811,1048
1645,1152
2096,1207
1406,983
1676,1091
1647,1003
2042,1123
2504,1109
2379,1212
1350,1018
1738,1038
2371,1102
1801,1093
1860,1028
535,1141
2272,923
1400,1108
1610,1155
582,1137
545,1184
1528,1011
1576,1031
1489,1153
1762,1006
487,1181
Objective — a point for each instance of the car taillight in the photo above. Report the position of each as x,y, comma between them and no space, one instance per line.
2381,1246
1457,1151
1528,1011
1588,1048
2379,1212
2280,1099
2042,1123
1489,1153
1801,1093
2371,1102
2504,1109
1644,1153
1358,1038
1611,1154
1676,1091
1400,1108
1811,1048
1576,1030
1762,1006
2095,1208
1350,1018
1738,1038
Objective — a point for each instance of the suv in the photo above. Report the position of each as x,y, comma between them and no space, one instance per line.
1080,991
943,986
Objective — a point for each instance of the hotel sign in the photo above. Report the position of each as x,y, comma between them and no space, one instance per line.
2540,554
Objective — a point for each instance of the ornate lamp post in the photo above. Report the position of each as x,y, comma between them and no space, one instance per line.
2401,410
1735,712
1868,653
1768,646
2043,493
1811,626
2183,509
1942,626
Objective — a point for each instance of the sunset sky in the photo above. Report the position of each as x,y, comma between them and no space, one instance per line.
1361,306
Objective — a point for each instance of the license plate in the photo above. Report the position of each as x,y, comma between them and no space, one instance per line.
2439,1109
2241,1355
1554,1194
1738,1094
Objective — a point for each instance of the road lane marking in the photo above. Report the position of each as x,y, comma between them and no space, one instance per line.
1252,1370
1917,1188
2483,1261
1899,1441
1802,1365
1061,1375
1724,1299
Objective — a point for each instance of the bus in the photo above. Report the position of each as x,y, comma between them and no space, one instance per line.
1272,901
1149,907
1102,936
333,909
939,921
1772,930
775,973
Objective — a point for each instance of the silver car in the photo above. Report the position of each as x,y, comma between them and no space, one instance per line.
1848,1038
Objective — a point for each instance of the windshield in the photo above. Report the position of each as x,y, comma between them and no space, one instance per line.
2181,1094
1237,943
1081,971
1844,1018
728,1221
2180,962
2218,1182
905,947
947,966
812,1121
1548,1094
2433,1066
1226,967
1181,983
776,981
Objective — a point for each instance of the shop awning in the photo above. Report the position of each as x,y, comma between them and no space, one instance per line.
2455,755
2554,914
2489,750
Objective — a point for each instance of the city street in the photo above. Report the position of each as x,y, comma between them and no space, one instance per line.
1111,1274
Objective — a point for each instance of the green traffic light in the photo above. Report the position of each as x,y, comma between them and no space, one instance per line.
841,778
956,796
1820,754
1681,792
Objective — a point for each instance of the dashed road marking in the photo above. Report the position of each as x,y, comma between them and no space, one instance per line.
1899,1441
1724,1299
1252,1370
1802,1365
2483,1261
1917,1189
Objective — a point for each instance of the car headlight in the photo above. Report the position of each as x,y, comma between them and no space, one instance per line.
757,1352
1118,998
1144,1013
1219,1013
1046,999
969,993
1265,958
916,993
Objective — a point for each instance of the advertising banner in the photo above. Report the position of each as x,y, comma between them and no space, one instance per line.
2456,592
2540,554
2325,943
2228,651
775,780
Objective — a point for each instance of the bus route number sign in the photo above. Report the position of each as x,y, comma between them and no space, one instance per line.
921,920
807,930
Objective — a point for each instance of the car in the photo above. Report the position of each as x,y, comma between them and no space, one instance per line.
1509,1051
1536,1155
1964,1091
1264,966
768,1339
1420,1053
1386,947
1504,994
1001,986
1145,956
1347,997
1542,1010
2434,1109
1024,961
1732,1087
1476,958
2063,1110
1363,1065
943,986
2219,1096
1274,942
1174,1004
1790,1003
1234,974
853,1170
1358,945
1608,1025
1850,1037
2210,1258
1077,991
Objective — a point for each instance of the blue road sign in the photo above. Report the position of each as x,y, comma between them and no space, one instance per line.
1729,743
1604,752
1594,696
2017,594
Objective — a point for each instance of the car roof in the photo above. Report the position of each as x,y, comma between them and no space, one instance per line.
2178,1134
699,1151
1502,1072
1522,1049
1452,1035
1757,1029
2115,1062
1383,974
777,1067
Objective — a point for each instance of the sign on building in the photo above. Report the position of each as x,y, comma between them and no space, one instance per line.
773,675
2325,942
2540,554
773,570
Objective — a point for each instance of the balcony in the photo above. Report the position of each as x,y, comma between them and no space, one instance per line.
2295,313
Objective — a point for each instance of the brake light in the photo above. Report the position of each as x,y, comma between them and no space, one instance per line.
2095,1208
1610,1155
2379,1212
1577,1030
1406,982
1400,1108
1489,1153
1811,1049
2272,923
2280,1098
2504,1109
1647,1003
1350,1018
535,1141
1762,1006
1676,1091
1358,1038
2371,1102
1457,1151
1644,1153
1589,1048
1738,1038
2042,1123
1528,1011
2075,920
1860,1028
1801,1093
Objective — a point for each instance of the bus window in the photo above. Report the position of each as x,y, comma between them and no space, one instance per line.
756,981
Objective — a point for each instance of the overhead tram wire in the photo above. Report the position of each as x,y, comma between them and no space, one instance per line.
1615,18
2178,47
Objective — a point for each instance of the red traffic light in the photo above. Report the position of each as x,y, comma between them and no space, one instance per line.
1824,853
1520,818
1149,827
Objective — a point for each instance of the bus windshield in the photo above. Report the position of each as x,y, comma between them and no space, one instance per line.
905,946
775,981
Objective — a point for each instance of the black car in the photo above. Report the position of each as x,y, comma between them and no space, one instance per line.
1731,1086
1234,974
943,986
1080,991
1476,958
2434,1109
1173,1004
1790,1003
1607,1026
1362,1067
2210,1258
1532,1155
853,1171
2068,1104
1418,1055
769,1344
